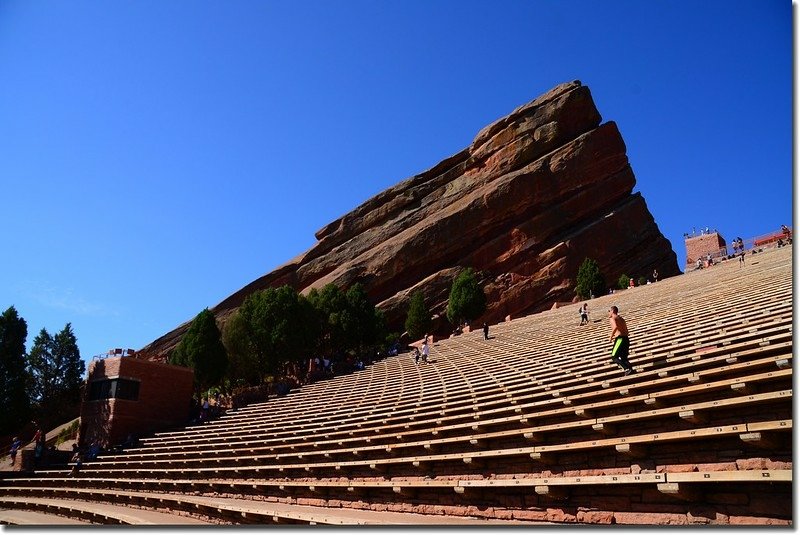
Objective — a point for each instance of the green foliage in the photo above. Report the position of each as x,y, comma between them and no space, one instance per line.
364,326
13,378
330,305
418,321
242,362
623,281
467,301
274,326
42,367
347,320
56,373
68,432
201,349
71,367
392,338
642,281
590,281
379,326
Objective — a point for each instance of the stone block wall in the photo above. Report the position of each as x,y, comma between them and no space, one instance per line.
165,393
700,246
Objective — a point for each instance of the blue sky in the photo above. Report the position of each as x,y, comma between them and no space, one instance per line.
156,156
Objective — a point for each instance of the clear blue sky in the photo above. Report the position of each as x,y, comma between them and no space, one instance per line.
156,156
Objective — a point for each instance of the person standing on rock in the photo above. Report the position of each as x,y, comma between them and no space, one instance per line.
485,331
619,335
425,350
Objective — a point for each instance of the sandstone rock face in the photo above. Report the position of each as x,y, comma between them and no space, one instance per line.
535,193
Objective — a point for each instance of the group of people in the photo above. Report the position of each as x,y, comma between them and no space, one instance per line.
86,454
787,236
423,355
737,245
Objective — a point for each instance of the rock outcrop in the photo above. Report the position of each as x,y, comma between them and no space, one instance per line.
535,193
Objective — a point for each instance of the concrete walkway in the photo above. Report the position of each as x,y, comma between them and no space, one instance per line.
251,511
124,515
34,518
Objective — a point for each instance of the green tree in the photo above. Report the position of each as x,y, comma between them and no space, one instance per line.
467,301
363,324
13,377
277,325
623,281
242,366
55,375
381,329
70,367
590,281
201,349
330,306
43,373
418,320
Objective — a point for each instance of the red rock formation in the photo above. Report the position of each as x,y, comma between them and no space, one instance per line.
535,193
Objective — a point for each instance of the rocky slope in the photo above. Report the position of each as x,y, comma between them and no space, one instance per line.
533,195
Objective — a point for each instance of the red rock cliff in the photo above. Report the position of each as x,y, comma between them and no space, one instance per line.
533,195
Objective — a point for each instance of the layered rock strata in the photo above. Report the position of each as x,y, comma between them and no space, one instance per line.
536,193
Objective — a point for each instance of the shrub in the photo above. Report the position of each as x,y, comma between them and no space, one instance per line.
623,281
418,321
68,432
467,300
590,282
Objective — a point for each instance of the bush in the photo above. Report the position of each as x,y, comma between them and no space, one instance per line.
392,338
202,350
418,321
623,281
642,281
590,282
467,300
68,432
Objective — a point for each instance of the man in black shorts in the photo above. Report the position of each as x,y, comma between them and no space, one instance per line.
619,335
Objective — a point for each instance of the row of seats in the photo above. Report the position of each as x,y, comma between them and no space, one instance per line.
538,406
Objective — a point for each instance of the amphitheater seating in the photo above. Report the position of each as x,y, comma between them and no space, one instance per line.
534,425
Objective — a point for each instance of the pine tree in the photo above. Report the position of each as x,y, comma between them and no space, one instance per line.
330,304
241,364
363,328
418,321
13,378
590,281
43,372
467,301
67,359
201,349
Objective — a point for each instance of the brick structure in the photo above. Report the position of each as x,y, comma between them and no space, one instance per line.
128,395
700,246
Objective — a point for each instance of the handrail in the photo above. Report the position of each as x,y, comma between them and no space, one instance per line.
748,244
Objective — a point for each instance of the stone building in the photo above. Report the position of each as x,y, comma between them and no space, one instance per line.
125,395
